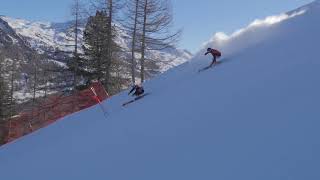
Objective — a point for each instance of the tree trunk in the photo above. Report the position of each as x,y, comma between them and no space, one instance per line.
76,55
133,61
12,88
109,48
75,59
143,47
34,91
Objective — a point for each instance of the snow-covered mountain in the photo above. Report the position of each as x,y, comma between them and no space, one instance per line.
254,116
50,37
20,39
9,38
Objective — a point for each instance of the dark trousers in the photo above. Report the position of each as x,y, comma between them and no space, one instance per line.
214,60
138,92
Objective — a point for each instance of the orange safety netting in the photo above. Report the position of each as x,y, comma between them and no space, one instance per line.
53,108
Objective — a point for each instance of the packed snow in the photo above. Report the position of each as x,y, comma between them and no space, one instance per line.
254,116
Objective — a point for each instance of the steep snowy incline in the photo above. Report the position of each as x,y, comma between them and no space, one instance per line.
254,116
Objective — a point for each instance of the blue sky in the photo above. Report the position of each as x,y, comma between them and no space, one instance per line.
199,19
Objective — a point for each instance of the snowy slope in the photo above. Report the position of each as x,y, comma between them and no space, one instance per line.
254,116
48,37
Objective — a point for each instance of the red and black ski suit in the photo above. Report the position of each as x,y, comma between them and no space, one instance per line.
215,53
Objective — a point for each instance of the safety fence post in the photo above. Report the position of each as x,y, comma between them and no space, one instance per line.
96,97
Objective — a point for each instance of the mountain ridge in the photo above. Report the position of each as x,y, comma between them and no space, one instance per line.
49,37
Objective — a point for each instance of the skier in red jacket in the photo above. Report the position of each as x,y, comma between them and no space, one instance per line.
215,53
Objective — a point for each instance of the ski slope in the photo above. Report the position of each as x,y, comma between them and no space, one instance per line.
254,116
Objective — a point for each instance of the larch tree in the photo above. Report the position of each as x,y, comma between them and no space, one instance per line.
75,63
133,14
156,29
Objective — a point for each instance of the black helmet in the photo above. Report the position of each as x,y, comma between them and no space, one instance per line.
209,49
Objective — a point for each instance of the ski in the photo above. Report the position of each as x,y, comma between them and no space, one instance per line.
135,99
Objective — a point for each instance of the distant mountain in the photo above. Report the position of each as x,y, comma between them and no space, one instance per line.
56,39
21,39
10,40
